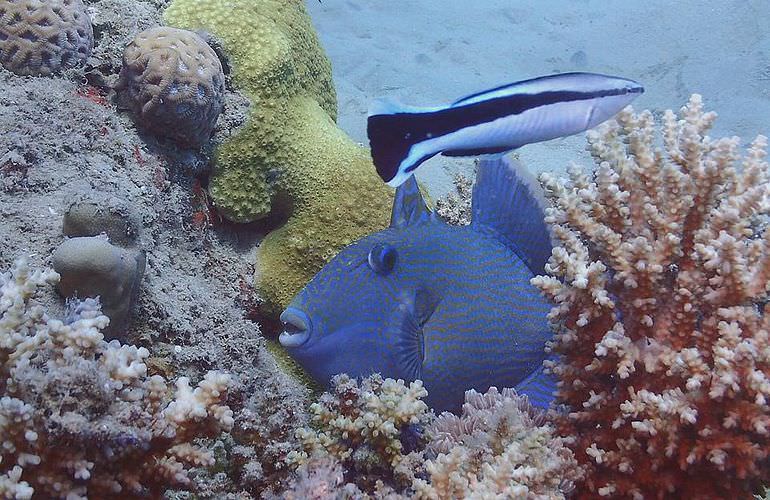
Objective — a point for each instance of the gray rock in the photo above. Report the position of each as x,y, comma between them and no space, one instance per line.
94,214
91,266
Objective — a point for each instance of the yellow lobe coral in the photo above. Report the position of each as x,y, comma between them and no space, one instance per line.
290,160
661,284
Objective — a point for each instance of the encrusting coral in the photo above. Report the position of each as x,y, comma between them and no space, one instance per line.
79,417
290,160
43,37
174,84
500,447
661,289
91,266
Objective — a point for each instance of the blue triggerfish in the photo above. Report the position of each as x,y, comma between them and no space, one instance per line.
494,121
450,305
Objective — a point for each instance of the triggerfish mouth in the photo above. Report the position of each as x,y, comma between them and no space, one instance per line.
493,121
450,305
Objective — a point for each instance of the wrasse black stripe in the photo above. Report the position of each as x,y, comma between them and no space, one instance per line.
558,76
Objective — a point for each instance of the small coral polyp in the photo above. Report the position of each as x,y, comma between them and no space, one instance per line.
79,417
661,289
174,84
44,37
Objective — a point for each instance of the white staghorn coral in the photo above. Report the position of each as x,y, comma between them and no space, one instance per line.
455,207
661,285
372,429
79,416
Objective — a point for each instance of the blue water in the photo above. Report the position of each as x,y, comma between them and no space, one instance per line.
433,51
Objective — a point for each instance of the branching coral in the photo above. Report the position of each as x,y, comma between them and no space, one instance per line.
378,440
372,429
79,416
661,284
455,207
500,447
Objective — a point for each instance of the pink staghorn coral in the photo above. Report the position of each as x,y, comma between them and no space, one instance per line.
500,447
661,285
79,417
377,439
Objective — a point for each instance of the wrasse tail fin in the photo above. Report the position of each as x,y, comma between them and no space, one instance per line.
392,130
508,200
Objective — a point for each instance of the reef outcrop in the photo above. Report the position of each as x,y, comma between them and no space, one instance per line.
290,161
661,290
80,417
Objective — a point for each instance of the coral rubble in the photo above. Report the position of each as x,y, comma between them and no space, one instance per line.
79,416
661,288
174,84
42,37
290,160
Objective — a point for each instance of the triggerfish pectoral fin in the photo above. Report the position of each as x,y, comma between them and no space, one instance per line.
413,311
509,202
539,388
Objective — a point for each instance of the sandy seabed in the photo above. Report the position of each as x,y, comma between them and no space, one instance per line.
433,52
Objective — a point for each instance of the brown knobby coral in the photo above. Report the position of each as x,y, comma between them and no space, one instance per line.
42,37
79,417
173,82
661,285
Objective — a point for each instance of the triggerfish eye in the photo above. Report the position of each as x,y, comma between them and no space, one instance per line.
382,258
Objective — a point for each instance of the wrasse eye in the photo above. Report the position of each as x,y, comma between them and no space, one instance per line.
382,258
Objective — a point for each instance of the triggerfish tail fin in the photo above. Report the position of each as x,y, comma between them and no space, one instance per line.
539,388
392,130
409,207
508,200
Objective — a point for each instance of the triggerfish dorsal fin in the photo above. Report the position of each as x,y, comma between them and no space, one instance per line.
508,200
409,207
